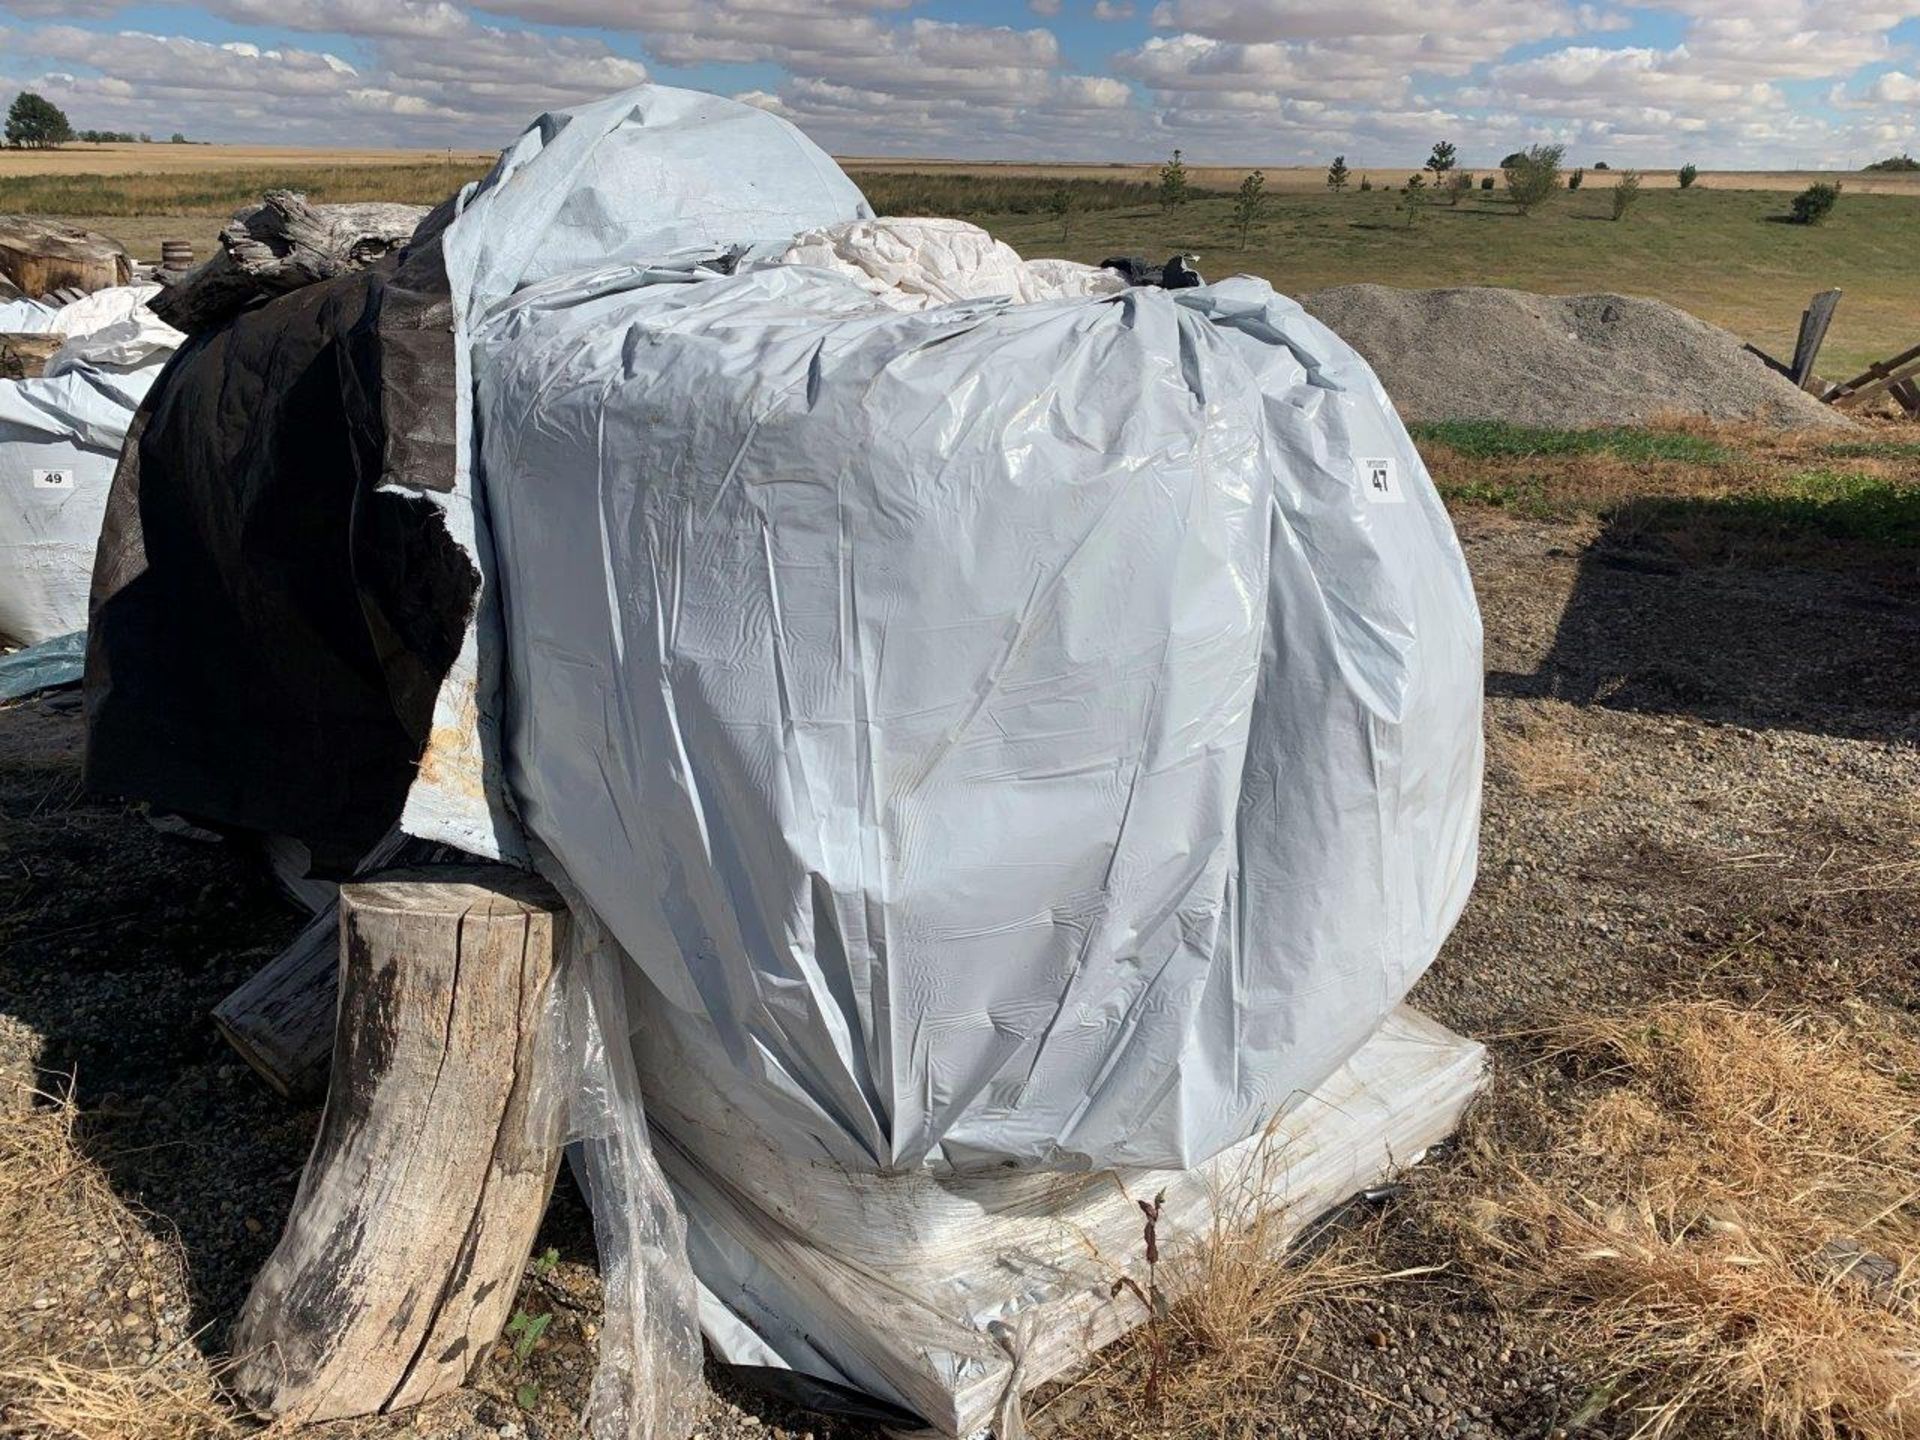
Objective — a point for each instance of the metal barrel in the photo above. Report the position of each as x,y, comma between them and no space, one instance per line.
176,255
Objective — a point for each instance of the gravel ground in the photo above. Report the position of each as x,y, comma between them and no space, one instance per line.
1478,353
1695,776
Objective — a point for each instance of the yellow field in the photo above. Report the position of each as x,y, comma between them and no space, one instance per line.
1312,179
163,159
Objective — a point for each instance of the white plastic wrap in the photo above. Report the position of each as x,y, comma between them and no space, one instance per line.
646,1383
1039,734
60,439
1007,721
60,436
918,264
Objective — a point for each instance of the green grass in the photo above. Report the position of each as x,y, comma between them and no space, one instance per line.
1873,450
1720,254
1838,505
1488,439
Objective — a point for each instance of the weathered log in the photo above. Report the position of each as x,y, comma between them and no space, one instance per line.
435,1156
281,1021
40,257
280,245
23,356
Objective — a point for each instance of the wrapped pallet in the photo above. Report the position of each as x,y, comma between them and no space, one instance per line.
60,438
1004,735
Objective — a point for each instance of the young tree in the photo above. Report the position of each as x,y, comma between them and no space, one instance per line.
1534,176
1576,179
1250,204
36,122
1626,190
1174,190
1415,200
1688,174
1442,159
1060,205
1366,182
1337,174
1459,185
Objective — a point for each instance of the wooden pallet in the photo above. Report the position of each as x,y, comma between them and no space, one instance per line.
1040,1254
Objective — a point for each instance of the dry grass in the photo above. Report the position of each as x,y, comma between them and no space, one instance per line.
1715,1209
165,159
1247,1313
67,1234
1538,746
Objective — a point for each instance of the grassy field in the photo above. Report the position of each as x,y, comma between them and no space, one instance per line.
1724,253
1311,179
161,159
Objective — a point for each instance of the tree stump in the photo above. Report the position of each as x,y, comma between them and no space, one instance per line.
40,257
436,1152
279,245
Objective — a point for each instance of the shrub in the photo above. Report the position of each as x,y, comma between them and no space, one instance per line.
1486,182
1688,174
1459,184
1174,189
1250,204
1626,190
1366,183
1337,174
1574,180
1601,165
1815,203
1532,181
1513,159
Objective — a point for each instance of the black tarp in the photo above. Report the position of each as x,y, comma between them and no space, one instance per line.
275,601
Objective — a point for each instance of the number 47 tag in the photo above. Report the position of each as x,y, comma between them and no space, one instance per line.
1380,480
53,479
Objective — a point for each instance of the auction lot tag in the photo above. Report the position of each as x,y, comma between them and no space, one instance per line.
52,479
1382,484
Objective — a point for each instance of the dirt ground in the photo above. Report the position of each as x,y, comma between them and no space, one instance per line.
1704,778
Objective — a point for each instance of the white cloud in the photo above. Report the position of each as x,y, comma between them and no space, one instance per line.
1255,80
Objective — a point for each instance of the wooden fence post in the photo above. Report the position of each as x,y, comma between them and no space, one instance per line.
436,1152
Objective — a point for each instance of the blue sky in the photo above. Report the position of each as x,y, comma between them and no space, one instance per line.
1724,83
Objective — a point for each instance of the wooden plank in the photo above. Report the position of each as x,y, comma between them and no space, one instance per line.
1852,397
1879,370
436,1152
1814,321
281,1021
1039,1254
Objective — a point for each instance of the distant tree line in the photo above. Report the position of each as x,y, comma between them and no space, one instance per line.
36,123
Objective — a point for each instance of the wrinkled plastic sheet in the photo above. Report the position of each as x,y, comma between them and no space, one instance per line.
50,665
1003,734
60,438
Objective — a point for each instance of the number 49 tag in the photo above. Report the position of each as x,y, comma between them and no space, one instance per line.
53,479
1381,481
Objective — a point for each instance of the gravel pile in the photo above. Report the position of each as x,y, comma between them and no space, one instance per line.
1556,360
